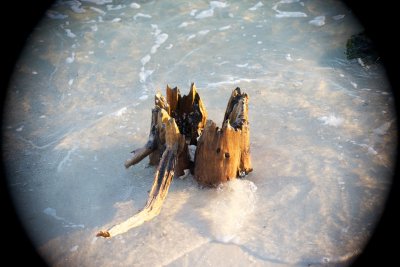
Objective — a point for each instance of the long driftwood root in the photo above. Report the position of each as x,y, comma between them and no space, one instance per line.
162,180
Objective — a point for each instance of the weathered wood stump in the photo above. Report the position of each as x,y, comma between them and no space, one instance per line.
221,154
224,154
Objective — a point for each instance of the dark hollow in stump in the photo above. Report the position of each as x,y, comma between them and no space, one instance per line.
177,122
190,116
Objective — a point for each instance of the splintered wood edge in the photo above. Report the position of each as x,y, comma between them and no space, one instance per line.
103,234
173,95
202,107
236,110
161,102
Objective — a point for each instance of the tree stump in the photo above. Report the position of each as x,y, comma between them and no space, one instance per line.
222,154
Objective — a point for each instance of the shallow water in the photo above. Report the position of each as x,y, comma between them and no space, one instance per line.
323,133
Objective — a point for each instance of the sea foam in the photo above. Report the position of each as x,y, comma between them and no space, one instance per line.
228,209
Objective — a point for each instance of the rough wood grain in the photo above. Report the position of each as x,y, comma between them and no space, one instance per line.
224,154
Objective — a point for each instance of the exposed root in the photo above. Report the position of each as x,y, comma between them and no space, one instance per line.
162,181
